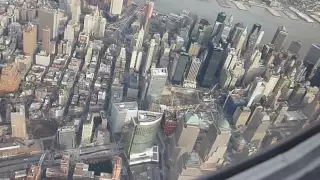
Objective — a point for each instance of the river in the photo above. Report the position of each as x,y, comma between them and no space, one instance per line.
307,33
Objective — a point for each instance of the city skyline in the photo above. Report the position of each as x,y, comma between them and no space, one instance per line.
83,86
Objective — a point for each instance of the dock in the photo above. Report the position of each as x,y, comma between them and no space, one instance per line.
273,12
301,15
240,5
224,3
315,17
290,15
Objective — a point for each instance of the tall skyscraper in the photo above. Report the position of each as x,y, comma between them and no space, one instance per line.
139,41
256,91
257,127
279,38
313,54
235,34
187,131
75,11
29,39
180,68
87,129
157,81
241,116
69,33
144,130
191,78
66,137
241,42
46,39
210,68
295,47
95,24
148,13
18,123
149,57
121,114
48,18
217,142
116,7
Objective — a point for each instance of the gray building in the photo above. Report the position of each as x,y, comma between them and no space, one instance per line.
279,38
295,47
48,18
66,137
121,113
313,54
209,75
157,81
144,130
132,89
180,68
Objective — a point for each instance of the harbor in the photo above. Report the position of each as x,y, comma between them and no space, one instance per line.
240,6
301,15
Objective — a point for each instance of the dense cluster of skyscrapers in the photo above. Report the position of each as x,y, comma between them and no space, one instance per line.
170,93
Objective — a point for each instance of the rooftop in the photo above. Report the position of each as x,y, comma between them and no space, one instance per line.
148,116
191,119
126,106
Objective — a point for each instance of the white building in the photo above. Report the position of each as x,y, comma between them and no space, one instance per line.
149,57
43,59
121,113
69,33
157,81
116,7
190,80
256,90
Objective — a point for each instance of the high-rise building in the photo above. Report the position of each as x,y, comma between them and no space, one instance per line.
241,42
313,55
87,129
235,34
257,127
216,142
256,91
179,69
138,61
95,24
187,131
121,114
241,116
295,47
149,57
209,68
116,7
18,123
75,11
157,81
46,39
30,39
139,41
48,18
279,38
144,131
271,79
66,137
69,33
191,78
